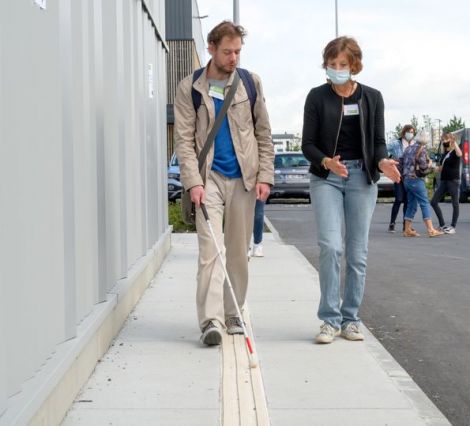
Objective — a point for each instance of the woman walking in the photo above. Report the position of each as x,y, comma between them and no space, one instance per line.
449,183
343,138
395,150
415,158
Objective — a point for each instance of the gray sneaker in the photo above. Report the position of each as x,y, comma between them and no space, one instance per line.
211,335
351,332
234,325
327,333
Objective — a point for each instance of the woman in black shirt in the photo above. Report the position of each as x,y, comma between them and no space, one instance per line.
343,138
450,181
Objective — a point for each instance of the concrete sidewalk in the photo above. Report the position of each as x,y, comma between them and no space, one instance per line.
157,372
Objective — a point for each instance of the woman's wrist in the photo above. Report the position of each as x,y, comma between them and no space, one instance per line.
324,162
379,164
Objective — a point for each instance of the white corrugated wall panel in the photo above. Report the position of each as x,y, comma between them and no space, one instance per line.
86,248
111,143
82,170
34,262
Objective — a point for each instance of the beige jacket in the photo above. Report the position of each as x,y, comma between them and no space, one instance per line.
253,145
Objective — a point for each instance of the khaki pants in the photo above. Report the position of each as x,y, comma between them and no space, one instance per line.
229,206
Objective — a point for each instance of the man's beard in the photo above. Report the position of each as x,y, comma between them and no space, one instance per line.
224,70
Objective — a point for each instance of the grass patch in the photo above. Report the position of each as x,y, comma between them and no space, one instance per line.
174,217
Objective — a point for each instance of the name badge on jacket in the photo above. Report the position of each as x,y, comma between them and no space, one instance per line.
351,109
216,92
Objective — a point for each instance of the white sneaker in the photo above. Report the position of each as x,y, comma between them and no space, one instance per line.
352,332
257,250
327,333
449,230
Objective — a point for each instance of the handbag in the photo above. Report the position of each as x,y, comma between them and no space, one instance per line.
188,210
419,172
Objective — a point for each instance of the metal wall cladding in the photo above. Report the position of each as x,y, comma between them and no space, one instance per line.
82,165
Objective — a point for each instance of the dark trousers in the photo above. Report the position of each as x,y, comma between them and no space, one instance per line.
259,222
400,197
453,188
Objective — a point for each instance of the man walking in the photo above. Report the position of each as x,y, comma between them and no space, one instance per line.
238,170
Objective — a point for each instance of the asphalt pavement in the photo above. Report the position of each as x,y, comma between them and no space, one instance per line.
416,300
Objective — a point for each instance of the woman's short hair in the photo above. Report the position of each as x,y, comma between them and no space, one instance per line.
448,136
225,29
347,45
406,129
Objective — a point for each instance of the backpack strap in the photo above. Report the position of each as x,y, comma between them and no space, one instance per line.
245,77
250,88
194,93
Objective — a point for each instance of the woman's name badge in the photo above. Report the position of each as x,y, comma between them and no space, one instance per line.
351,109
216,92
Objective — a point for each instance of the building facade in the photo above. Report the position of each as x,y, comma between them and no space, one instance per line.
83,193
284,142
186,44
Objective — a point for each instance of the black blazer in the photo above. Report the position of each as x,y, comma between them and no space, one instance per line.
322,116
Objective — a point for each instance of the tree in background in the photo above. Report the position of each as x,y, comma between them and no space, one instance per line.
398,129
414,122
454,124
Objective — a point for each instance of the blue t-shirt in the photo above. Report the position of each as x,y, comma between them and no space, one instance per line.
225,159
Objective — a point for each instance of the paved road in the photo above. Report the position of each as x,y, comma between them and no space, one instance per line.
417,299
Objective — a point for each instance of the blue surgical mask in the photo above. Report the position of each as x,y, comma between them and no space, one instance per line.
409,136
338,77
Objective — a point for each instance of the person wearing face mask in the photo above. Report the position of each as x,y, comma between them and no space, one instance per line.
450,182
395,151
344,139
413,156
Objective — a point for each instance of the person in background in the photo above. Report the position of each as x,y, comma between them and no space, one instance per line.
344,139
256,250
449,183
395,151
415,186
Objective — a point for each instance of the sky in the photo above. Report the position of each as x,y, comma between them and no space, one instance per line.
416,52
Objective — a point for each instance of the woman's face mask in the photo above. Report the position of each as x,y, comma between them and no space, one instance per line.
409,136
338,77
446,144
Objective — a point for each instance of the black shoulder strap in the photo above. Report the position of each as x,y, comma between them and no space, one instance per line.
250,88
194,93
247,80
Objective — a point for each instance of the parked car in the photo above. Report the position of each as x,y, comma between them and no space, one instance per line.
462,137
385,186
174,184
174,168
291,176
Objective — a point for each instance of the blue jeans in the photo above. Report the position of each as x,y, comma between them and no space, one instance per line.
417,194
336,200
259,222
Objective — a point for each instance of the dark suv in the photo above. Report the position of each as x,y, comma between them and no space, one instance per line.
291,177
462,137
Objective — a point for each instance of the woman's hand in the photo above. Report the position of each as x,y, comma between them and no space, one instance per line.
389,169
336,166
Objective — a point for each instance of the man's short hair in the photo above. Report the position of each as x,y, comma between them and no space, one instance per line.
225,29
